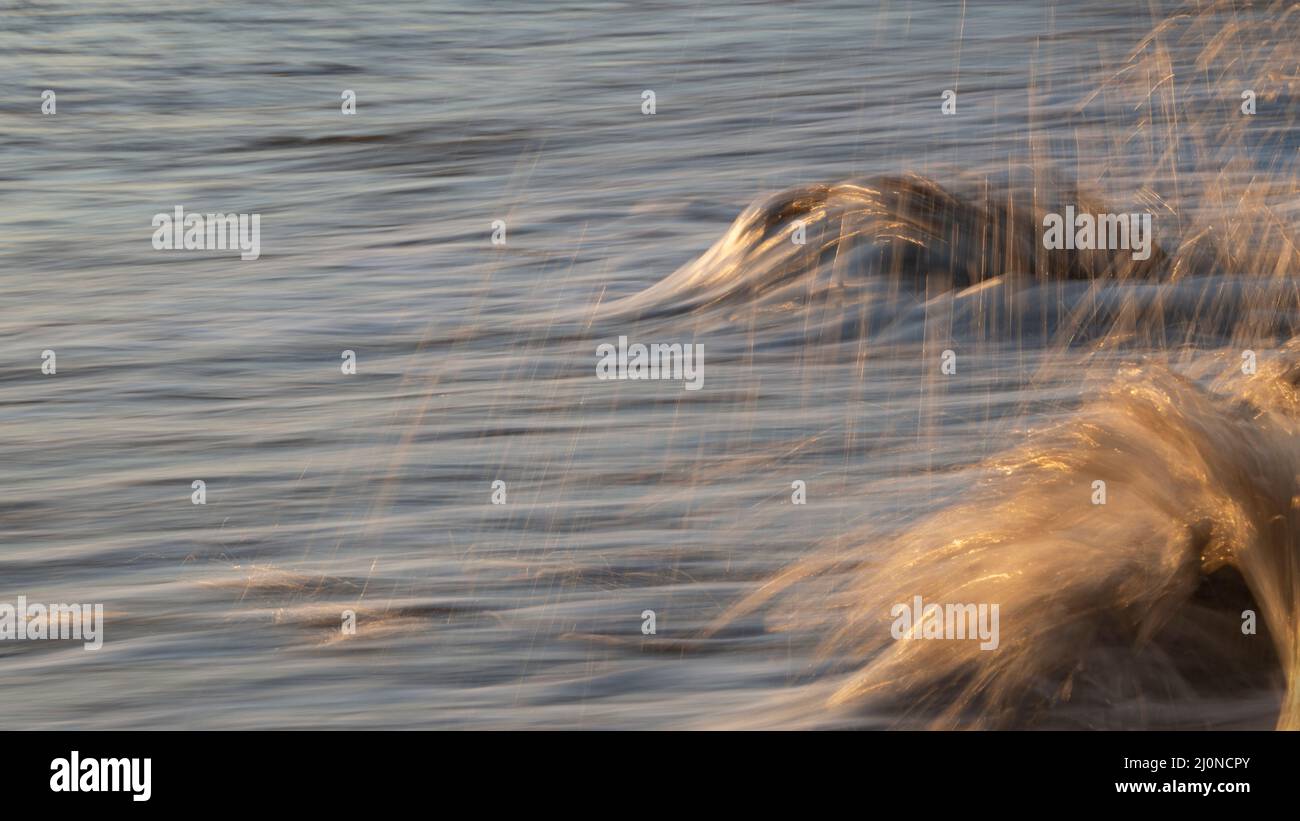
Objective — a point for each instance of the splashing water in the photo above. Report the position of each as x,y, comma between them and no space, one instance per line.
1100,605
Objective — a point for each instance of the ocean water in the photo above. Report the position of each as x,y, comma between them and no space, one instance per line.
823,364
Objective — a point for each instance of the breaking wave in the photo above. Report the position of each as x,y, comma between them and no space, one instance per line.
1121,614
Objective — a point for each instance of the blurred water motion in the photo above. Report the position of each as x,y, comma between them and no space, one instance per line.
476,363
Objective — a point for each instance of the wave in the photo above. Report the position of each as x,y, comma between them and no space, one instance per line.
1164,132
1127,613
893,258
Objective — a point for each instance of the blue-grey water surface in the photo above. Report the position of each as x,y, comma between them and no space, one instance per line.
372,492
